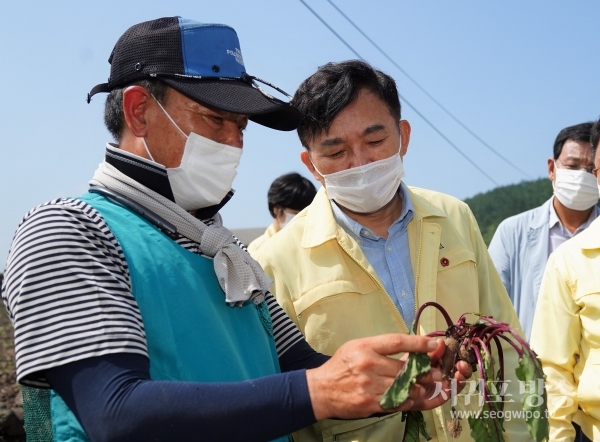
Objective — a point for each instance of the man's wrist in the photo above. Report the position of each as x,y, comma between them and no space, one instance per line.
317,392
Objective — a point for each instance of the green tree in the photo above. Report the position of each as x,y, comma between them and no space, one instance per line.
491,208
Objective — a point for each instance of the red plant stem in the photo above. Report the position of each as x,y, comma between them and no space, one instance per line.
483,345
436,334
463,330
495,332
519,350
501,362
489,353
490,329
489,319
436,305
526,347
481,370
462,320
474,332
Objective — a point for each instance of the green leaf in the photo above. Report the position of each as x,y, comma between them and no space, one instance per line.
494,384
486,427
488,365
415,426
496,388
416,365
534,400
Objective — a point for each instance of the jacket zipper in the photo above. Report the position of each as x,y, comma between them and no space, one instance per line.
418,267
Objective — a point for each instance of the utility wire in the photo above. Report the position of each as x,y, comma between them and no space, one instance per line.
422,89
406,101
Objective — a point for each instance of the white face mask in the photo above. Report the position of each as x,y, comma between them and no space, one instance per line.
288,217
367,188
206,171
575,189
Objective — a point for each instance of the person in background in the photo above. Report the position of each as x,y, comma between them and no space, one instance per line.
522,243
566,330
287,196
137,316
370,250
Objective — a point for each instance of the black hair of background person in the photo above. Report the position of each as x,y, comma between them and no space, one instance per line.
595,137
579,132
290,191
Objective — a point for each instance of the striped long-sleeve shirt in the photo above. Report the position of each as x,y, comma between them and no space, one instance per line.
67,287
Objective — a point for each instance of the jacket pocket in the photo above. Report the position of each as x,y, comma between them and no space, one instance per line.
335,312
588,387
457,286
330,289
385,429
453,258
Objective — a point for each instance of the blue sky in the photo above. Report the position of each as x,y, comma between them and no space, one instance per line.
515,72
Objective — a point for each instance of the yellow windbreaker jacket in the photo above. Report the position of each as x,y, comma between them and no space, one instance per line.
566,335
254,245
326,285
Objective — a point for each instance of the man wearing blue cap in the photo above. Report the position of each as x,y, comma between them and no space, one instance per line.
137,315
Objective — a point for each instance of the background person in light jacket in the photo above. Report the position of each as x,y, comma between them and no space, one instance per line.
521,245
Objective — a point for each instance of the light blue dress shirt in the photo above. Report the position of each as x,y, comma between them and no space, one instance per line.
389,257
559,233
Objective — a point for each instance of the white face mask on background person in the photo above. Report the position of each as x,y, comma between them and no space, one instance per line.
288,217
366,188
575,189
206,171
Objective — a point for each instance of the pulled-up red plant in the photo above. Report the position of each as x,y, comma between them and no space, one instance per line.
475,344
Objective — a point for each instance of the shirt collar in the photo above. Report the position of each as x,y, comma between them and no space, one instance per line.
148,173
357,230
153,175
554,220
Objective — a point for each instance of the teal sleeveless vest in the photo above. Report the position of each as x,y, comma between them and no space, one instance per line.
191,333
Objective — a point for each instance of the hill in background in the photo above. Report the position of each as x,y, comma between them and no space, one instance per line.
491,208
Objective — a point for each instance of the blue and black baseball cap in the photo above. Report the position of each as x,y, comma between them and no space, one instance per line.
202,61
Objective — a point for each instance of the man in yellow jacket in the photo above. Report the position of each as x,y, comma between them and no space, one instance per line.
369,250
566,330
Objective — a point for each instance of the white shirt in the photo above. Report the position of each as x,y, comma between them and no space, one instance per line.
559,233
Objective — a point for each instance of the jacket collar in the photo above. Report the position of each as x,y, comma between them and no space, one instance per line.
422,207
321,226
541,216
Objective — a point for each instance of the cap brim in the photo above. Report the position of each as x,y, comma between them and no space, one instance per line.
241,98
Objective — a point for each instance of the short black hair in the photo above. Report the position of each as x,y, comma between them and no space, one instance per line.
333,87
114,118
579,132
595,138
291,191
